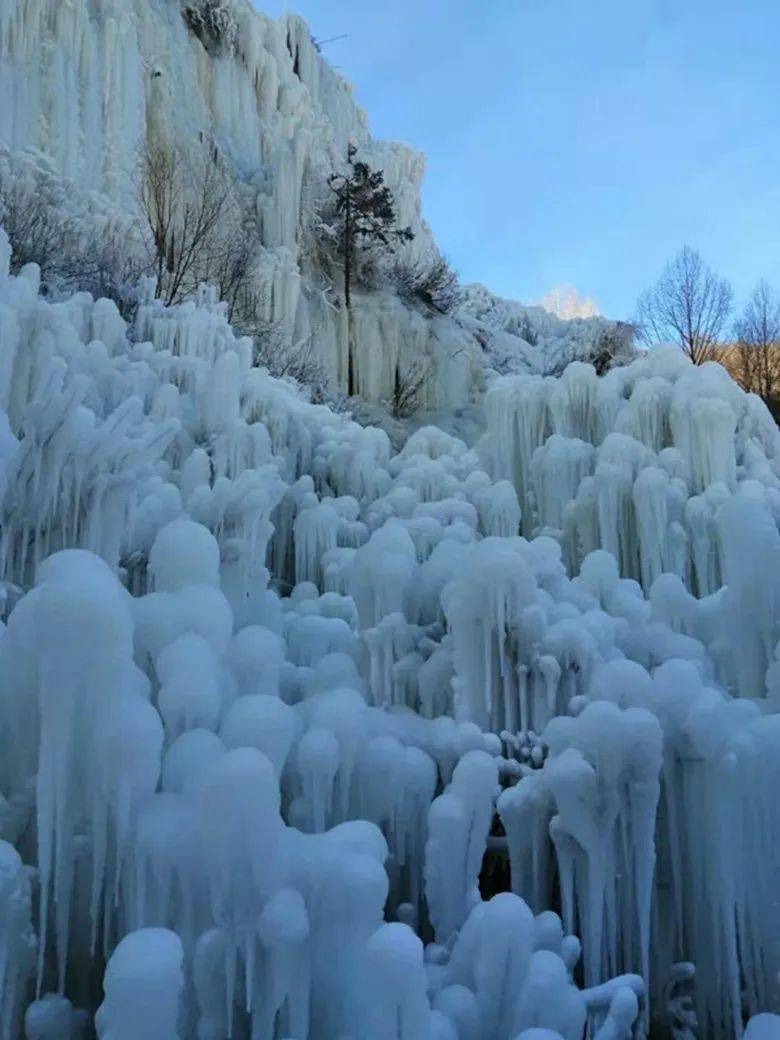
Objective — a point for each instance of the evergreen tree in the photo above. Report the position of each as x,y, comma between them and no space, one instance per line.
366,213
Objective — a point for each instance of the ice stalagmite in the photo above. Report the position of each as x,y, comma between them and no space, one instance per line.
238,804
482,605
88,632
604,808
458,825
17,940
143,984
53,1018
396,1002
282,990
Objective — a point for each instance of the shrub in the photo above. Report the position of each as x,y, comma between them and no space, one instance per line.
613,347
409,390
213,22
274,349
432,282
76,252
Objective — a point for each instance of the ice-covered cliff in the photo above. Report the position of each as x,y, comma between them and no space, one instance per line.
87,86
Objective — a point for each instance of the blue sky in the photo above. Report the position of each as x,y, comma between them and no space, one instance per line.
577,141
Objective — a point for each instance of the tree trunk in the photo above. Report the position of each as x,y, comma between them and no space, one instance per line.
348,243
347,248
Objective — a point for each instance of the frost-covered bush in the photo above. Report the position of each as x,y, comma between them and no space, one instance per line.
613,346
273,348
213,22
409,387
75,249
430,281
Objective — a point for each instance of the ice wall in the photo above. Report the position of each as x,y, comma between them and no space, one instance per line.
88,85
266,682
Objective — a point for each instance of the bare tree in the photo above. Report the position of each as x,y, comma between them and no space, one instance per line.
198,231
431,281
409,387
757,335
689,305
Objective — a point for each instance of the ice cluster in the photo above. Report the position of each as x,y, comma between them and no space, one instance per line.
303,737
273,697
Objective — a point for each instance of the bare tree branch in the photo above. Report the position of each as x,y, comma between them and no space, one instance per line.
198,229
689,305
757,335
409,387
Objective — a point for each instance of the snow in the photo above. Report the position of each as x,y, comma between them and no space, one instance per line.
518,338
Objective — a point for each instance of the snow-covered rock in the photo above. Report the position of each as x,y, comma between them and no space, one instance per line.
518,338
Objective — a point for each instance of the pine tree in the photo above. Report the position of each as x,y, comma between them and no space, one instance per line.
365,211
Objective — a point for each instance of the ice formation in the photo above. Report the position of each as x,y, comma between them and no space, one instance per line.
268,686
302,736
